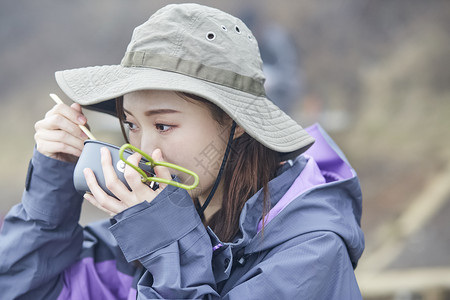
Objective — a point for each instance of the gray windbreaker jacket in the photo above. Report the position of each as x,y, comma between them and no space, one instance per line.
310,245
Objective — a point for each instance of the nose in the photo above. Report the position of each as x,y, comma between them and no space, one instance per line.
147,144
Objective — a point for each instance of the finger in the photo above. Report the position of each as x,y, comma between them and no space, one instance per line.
52,143
72,113
112,182
59,136
54,148
77,107
160,171
89,197
102,199
133,178
60,122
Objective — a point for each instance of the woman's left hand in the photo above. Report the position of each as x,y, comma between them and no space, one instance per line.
140,191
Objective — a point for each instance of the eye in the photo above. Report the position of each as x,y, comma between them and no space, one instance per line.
163,127
130,126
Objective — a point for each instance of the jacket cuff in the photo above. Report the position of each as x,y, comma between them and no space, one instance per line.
148,227
50,195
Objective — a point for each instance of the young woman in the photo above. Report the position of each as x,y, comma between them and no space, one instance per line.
267,220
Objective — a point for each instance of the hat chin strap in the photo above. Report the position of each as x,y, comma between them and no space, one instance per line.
201,210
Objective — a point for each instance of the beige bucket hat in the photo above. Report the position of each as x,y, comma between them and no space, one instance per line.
200,50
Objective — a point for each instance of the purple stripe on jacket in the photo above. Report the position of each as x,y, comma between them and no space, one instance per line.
324,165
88,280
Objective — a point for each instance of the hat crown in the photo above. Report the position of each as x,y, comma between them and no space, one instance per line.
203,35
199,50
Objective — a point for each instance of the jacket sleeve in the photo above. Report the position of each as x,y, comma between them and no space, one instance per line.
40,237
170,241
315,265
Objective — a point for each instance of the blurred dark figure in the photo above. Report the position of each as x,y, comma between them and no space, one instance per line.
280,57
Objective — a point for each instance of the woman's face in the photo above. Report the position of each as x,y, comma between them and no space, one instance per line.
184,131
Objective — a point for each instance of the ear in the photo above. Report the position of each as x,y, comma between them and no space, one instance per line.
238,132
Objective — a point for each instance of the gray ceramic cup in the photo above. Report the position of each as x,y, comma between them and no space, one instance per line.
90,158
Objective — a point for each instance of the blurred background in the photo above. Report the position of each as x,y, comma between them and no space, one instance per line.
375,74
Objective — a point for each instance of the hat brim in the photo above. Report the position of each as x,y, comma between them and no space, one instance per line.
257,115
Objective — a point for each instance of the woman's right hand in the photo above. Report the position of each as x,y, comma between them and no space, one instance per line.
58,135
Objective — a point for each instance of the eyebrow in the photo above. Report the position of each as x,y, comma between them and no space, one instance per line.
156,112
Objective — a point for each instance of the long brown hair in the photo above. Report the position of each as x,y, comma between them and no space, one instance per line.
250,167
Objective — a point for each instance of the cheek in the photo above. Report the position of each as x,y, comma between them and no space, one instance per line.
201,153
204,159
135,140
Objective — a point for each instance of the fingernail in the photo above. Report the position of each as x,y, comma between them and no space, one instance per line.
82,119
157,153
